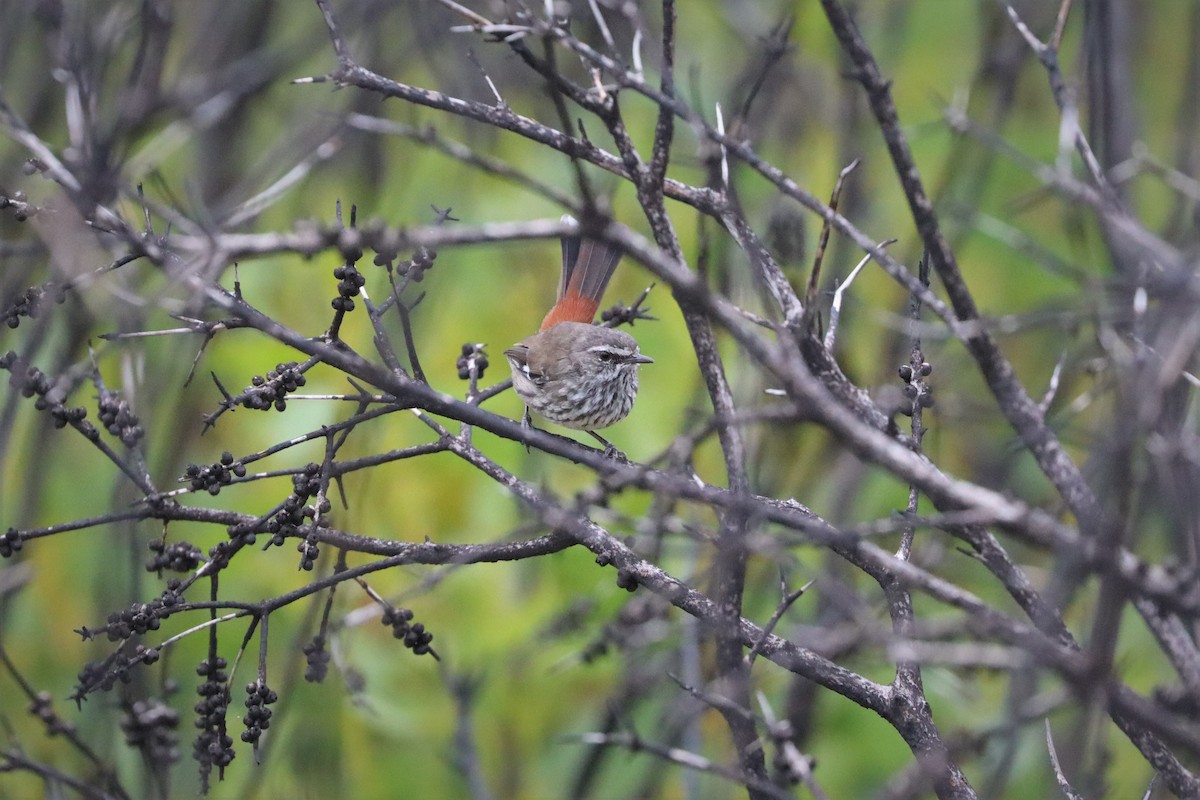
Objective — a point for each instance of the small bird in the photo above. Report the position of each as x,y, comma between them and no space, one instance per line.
572,372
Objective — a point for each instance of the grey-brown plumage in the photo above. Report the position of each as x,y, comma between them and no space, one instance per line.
572,372
577,375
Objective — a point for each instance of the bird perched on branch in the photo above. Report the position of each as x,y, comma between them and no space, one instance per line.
572,372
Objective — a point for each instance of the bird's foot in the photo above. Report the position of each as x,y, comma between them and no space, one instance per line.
616,455
610,451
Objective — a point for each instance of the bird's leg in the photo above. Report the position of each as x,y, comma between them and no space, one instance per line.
526,423
610,451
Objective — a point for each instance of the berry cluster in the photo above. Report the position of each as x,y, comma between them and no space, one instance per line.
472,362
141,618
19,203
213,748
263,394
146,655
307,482
102,675
627,580
350,281
293,512
150,726
415,637
118,418
216,475
10,542
415,269
174,557
219,554
422,262
30,302
138,619
318,660
384,258
30,381
308,549
258,716
242,533
915,387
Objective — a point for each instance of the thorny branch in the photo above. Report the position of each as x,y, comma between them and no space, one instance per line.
728,523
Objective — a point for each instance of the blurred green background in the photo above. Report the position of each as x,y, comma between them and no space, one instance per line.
383,723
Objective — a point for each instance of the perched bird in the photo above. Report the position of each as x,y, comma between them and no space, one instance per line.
572,372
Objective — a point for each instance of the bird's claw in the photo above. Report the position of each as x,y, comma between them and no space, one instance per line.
616,455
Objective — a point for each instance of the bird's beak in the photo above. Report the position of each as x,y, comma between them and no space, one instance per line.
641,359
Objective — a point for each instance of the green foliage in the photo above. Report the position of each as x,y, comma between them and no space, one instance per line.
526,636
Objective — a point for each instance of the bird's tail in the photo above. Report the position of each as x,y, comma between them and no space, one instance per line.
587,266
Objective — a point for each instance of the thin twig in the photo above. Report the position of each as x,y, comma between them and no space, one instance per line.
835,309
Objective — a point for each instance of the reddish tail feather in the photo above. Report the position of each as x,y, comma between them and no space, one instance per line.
587,266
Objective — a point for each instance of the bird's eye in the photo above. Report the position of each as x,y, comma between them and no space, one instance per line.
605,355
